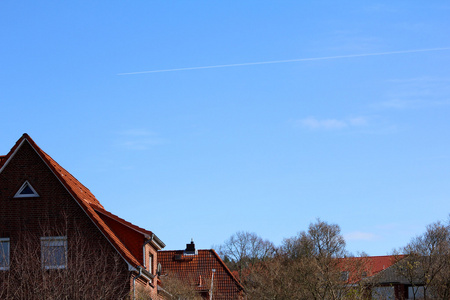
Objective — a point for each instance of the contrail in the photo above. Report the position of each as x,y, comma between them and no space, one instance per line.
287,61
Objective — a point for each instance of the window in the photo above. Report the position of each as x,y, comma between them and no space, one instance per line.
383,292
150,263
26,190
54,252
4,253
344,276
416,292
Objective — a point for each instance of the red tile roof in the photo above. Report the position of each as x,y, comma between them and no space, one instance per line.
197,269
106,213
87,201
370,265
130,234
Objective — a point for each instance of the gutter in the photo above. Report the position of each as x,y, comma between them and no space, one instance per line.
212,285
144,274
134,282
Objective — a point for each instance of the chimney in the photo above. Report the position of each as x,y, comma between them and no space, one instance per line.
190,248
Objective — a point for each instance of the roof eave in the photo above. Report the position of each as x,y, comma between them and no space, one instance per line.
158,243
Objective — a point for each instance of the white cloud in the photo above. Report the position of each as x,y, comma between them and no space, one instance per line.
331,124
137,132
399,103
417,93
314,123
358,121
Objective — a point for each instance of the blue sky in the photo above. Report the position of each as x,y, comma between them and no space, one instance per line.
361,141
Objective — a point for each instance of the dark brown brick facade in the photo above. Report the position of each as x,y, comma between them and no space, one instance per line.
57,213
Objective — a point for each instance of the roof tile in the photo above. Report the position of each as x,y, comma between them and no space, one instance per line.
197,269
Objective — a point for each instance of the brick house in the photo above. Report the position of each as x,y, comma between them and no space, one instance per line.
203,270
57,240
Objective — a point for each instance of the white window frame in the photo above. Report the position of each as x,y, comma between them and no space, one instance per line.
53,241
150,262
7,254
24,185
345,275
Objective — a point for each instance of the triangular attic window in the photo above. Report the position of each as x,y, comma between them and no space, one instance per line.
26,190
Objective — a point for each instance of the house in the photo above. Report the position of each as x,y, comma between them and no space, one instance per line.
202,270
58,241
382,277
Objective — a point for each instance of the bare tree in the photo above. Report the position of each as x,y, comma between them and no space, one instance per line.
314,256
184,288
274,278
283,278
245,248
305,267
85,270
427,262
322,240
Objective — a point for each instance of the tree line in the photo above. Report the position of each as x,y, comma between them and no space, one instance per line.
310,265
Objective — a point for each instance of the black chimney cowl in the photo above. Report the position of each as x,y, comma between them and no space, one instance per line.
190,248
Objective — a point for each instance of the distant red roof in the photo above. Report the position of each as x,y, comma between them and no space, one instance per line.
197,269
366,266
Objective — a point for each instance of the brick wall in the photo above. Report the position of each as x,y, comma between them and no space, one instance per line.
54,213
